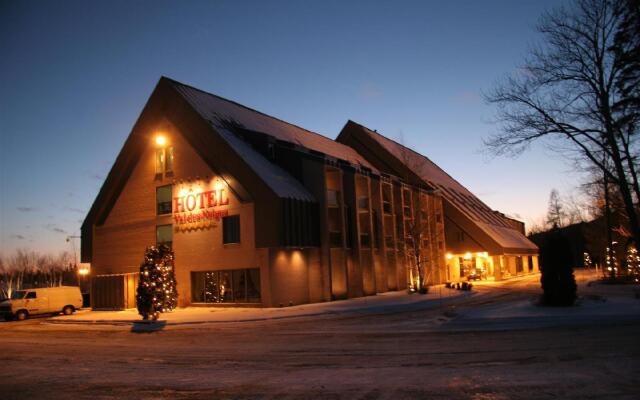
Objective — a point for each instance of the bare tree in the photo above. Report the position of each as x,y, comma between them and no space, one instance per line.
574,209
568,92
421,236
418,241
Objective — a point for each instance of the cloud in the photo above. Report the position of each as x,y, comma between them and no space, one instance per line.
17,236
54,228
26,209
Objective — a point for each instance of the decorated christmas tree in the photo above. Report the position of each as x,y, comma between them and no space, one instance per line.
157,285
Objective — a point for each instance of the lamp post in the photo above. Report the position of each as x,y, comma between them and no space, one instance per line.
75,257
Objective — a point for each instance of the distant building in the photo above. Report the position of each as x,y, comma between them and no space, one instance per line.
590,239
259,211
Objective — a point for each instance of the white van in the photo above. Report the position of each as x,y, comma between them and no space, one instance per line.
23,303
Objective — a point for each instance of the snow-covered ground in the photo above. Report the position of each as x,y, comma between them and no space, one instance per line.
394,346
597,303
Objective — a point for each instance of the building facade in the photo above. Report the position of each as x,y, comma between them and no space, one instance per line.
481,243
259,211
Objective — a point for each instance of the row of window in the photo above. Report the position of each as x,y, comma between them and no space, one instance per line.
230,231
335,219
227,286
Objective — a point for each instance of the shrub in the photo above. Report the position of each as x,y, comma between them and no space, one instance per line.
557,279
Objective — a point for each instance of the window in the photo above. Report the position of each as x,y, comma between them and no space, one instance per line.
530,263
376,232
348,219
231,229
227,286
164,161
333,198
163,199
17,294
159,161
365,228
164,235
168,168
30,295
335,227
386,199
363,202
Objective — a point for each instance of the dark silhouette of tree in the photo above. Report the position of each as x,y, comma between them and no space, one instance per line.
557,279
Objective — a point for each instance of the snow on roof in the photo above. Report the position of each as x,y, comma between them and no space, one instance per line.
220,111
280,181
491,222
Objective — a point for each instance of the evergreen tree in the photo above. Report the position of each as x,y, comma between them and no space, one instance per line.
555,212
557,279
157,285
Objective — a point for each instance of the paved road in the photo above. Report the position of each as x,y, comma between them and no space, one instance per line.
386,356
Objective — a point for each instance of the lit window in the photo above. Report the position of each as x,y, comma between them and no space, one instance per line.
164,161
164,235
163,199
159,161
168,168
231,229
227,286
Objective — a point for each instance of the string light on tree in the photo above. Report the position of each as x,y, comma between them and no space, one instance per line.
612,262
157,285
633,263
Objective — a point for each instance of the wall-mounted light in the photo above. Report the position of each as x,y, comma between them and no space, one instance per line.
449,256
161,140
84,268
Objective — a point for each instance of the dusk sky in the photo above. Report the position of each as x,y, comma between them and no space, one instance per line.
74,77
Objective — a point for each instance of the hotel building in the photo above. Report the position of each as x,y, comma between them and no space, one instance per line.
261,212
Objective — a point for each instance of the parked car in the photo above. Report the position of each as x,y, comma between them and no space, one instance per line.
24,303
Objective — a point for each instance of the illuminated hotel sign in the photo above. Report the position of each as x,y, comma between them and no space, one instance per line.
199,205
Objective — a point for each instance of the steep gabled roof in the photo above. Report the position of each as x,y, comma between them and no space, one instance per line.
488,220
221,112
221,149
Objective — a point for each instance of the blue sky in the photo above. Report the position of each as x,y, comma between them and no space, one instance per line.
74,77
